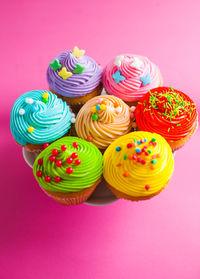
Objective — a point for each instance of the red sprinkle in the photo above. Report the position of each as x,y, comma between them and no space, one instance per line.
146,153
143,162
45,145
63,147
75,144
74,155
58,163
52,158
139,160
129,145
47,178
57,179
77,162
39,173
125,174
150,143
69,170
119,165
40,161
147,187
143,149
69,160
142,141
134,157
154,143
145,146
55,152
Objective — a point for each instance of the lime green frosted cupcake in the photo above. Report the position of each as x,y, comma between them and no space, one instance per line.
69,170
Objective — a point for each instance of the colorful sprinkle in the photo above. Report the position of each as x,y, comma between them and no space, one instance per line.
126,174
63,147
103,107
21,112
30,129
154,156
93,109
130,157
129,145
29,100
139,160
125,157
73,120
40,161
45,145
55,152
64,73
95,117
55,65
47,178
58,163
69,160
77,162
137,150
100,100
138,142
98,107
52,158
118,148
134,157
69,170
57,179
118,77
143,162
146,153
79,69
45,95
145,140
149,151
132,108
89,138
152,167
146,79
74,155
78,52
147,187
137,63
39,173
75,144
153,139
154,161
119,165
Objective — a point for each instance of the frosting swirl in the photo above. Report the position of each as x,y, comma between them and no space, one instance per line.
55,172
36,120
140,75
102,120
138,164
78,84
168,112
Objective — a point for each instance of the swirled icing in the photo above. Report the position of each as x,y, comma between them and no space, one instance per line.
168,112
77,84
48,121
83,176
112,122
134,178
131,88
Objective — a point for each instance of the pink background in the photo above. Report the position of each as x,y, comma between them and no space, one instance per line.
159,238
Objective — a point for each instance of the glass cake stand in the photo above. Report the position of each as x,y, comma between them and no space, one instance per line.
101,196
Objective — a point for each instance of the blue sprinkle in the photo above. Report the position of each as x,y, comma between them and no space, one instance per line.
145,140
118,148
98,107
137,150
138,142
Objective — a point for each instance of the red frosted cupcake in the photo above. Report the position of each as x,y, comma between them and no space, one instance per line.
167,112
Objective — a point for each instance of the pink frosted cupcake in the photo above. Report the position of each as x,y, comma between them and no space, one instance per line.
129,77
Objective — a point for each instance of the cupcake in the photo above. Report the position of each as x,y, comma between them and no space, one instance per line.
130,76
69,170
102,120
167,112
39,118
74,77
138,166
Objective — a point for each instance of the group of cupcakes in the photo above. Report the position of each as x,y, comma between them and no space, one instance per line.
125,134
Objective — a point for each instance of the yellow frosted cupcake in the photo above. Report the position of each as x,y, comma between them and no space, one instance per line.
138,166
102,120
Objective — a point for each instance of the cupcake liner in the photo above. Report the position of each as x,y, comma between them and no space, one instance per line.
121,195
77,102
72,198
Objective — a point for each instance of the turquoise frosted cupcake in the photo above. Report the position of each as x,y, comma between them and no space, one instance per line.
38,118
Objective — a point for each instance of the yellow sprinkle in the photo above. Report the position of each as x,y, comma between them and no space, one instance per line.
78,52
30,129
103,107
93,109
45,95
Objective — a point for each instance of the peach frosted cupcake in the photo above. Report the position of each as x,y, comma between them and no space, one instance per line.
168,112
130,76
102,120
138,166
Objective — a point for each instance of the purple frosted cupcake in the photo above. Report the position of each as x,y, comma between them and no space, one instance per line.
74,77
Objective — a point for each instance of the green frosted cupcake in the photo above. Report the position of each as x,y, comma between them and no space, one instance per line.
69,170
